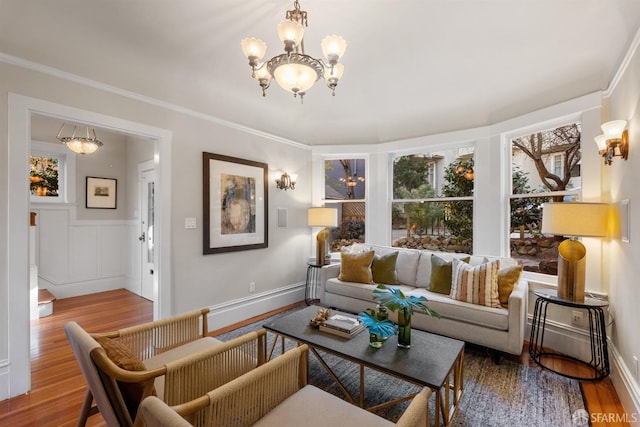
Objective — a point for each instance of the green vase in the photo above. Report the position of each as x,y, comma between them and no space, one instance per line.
375,341
404,329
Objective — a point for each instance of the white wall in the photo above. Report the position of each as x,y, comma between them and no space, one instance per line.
217,281
621,279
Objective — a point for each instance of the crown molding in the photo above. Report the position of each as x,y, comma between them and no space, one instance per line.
623,65
54,72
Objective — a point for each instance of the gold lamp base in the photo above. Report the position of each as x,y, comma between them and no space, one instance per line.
321,249
571,270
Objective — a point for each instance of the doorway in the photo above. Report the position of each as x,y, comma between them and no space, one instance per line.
20,110
146,183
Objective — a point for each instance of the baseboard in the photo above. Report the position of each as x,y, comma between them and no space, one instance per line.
564,338
68,290
626,386
235,311
4,379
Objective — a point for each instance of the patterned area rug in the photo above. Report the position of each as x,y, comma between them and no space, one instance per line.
508,394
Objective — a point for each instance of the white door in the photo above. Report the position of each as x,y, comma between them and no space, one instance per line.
147,237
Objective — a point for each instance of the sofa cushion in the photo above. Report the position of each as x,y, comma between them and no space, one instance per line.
424,266
441,274
356,267
383,268
359,291
476,284
464,312
319,408
507,279
407,266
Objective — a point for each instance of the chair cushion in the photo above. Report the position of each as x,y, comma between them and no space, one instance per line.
507,279
356,267
383,268
476,284
175,354
313,407
125,359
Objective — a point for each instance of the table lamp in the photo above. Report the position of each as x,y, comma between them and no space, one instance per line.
322,217
573,219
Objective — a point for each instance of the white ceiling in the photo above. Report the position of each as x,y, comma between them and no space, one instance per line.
412,67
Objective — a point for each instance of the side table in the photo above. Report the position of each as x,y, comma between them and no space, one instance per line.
313,281
599,362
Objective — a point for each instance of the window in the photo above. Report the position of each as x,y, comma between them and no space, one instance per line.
545,167
345,190
432,204
51,173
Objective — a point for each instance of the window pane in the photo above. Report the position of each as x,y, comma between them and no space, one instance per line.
442,226
549,159
445,173
344,179
535,251
351,224
43,177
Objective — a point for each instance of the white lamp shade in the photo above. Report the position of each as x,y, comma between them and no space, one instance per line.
338,71
575,219
333,47
290,31
322,217
614,128
294,77
252,47
262,73
601,142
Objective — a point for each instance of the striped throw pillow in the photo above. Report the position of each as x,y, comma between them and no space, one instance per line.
475,284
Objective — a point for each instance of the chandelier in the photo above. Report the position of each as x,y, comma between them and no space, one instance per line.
294,70
80,144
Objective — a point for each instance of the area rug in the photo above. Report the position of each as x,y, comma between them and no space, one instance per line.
508,394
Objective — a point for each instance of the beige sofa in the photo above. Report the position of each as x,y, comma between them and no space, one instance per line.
500,329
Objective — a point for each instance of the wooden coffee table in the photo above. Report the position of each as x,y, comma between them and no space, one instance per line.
432,361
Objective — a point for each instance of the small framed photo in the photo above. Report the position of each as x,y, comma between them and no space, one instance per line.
101,193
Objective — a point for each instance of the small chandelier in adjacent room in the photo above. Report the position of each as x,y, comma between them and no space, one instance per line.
80,144
294,70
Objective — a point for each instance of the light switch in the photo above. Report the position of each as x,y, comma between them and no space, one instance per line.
189,223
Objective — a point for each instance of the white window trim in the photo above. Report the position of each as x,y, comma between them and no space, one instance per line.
66,172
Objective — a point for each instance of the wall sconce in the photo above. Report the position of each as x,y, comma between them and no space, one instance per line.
614,142
286,182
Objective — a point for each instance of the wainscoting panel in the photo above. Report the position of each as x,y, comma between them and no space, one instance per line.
53,245
81,257
83,251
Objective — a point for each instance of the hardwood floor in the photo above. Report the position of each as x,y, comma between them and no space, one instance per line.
58,386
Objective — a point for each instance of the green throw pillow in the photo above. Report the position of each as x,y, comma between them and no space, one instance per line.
384,268
441,274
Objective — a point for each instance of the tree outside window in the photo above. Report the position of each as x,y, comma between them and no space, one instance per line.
433,200
545,167
43,176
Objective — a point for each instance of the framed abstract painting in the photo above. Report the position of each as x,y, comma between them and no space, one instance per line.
235,204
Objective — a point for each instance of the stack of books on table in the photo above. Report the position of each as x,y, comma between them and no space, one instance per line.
342,325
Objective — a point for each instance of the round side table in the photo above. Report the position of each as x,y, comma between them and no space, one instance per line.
599,363
313,281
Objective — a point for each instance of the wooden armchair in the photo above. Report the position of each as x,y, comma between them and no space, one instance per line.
275,394
171,358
